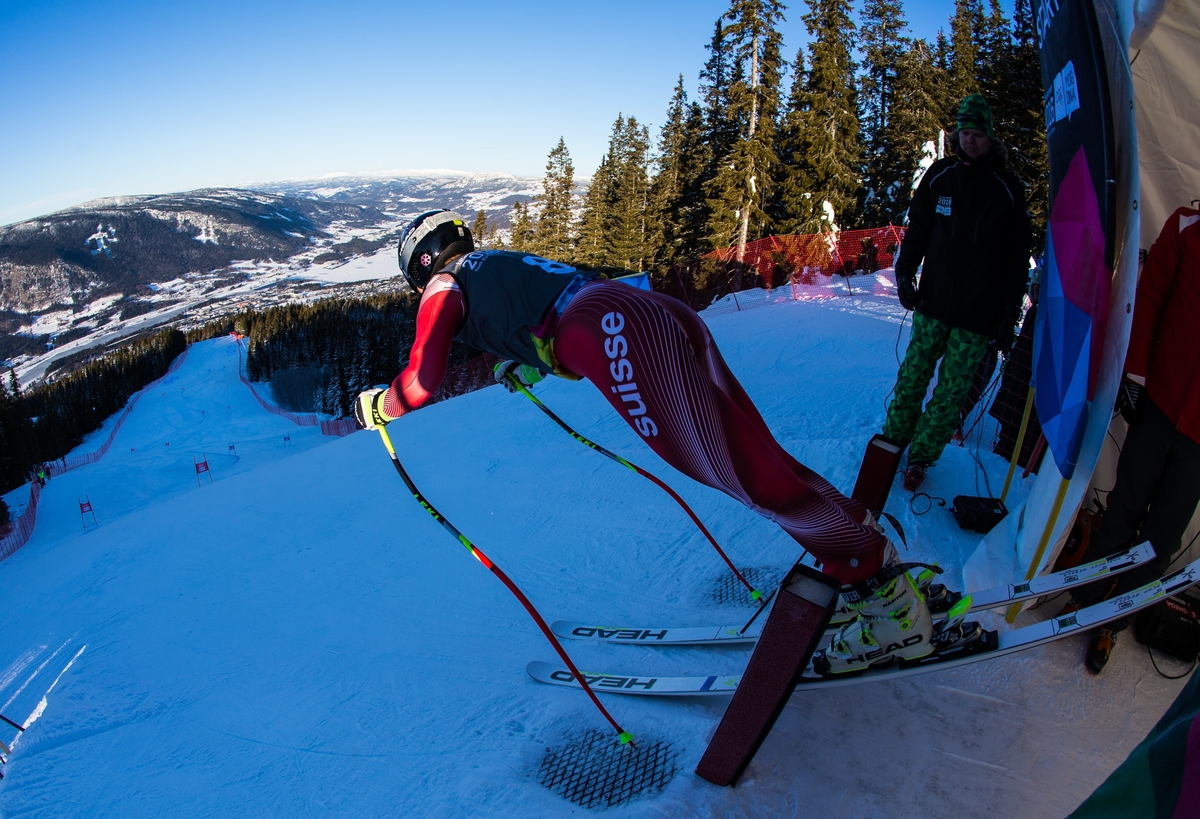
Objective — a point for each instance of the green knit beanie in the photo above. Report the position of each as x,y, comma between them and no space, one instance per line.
976,113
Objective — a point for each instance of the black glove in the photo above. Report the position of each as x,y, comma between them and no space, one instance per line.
1130,403
906,289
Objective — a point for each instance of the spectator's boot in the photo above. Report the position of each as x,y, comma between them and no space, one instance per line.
914,476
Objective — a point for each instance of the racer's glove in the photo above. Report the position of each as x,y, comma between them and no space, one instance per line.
1130,403
368,409
508,371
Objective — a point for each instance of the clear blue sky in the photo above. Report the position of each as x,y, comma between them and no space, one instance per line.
111,98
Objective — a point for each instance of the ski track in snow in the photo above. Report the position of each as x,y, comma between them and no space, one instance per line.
300,638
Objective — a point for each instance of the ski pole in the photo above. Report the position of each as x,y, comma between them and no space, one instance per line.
623,735
755,594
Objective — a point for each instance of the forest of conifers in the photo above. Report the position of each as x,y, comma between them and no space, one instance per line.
842,147
864,104
46,422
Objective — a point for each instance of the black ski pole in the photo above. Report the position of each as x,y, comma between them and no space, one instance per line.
623,735
755,594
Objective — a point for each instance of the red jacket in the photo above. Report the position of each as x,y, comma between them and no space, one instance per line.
1164,343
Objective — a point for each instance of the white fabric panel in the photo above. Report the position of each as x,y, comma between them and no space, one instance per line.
1166,82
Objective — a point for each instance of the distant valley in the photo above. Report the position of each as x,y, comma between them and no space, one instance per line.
99,272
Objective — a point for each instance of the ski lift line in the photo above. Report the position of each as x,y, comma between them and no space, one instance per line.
755,594
624,736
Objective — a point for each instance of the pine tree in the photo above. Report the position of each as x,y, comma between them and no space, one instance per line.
631,230
796,210
553,237
595,223
744,185
677,209
721,125
822,131
914,130
483,231
994,53
594,248
883,45
614,230
1024,124
521,236
966,28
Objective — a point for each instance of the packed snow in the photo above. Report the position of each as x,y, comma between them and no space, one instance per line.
298,637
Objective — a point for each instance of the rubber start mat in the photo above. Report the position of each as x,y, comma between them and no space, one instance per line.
727,590
594,770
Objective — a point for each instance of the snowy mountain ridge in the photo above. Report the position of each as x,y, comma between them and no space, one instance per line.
112,266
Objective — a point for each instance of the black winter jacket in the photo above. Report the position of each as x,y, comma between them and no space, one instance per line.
969,223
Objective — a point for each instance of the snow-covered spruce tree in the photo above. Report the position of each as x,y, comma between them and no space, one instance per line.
1021,116
614,231
484,231
631,229
966,32
721,125
883,43
993,52
795,210
745,180
554,234
593,243
678,213
914,128
521,235
823,154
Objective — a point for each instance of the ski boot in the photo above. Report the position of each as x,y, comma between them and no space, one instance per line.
955,633
938,598
892,622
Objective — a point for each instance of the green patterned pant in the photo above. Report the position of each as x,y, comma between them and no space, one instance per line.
960,352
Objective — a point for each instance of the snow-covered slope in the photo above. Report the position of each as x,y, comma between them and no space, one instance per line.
299,638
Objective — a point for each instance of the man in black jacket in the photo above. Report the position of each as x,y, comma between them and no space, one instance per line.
968,223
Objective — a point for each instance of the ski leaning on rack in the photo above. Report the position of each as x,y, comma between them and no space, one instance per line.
988,599
988,645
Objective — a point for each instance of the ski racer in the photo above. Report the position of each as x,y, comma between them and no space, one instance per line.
968,223
655,361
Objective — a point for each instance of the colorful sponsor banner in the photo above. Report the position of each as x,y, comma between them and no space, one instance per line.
1076,285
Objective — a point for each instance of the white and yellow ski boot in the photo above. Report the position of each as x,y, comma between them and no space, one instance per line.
892,622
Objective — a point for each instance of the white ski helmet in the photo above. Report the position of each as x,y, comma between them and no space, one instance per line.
428,242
